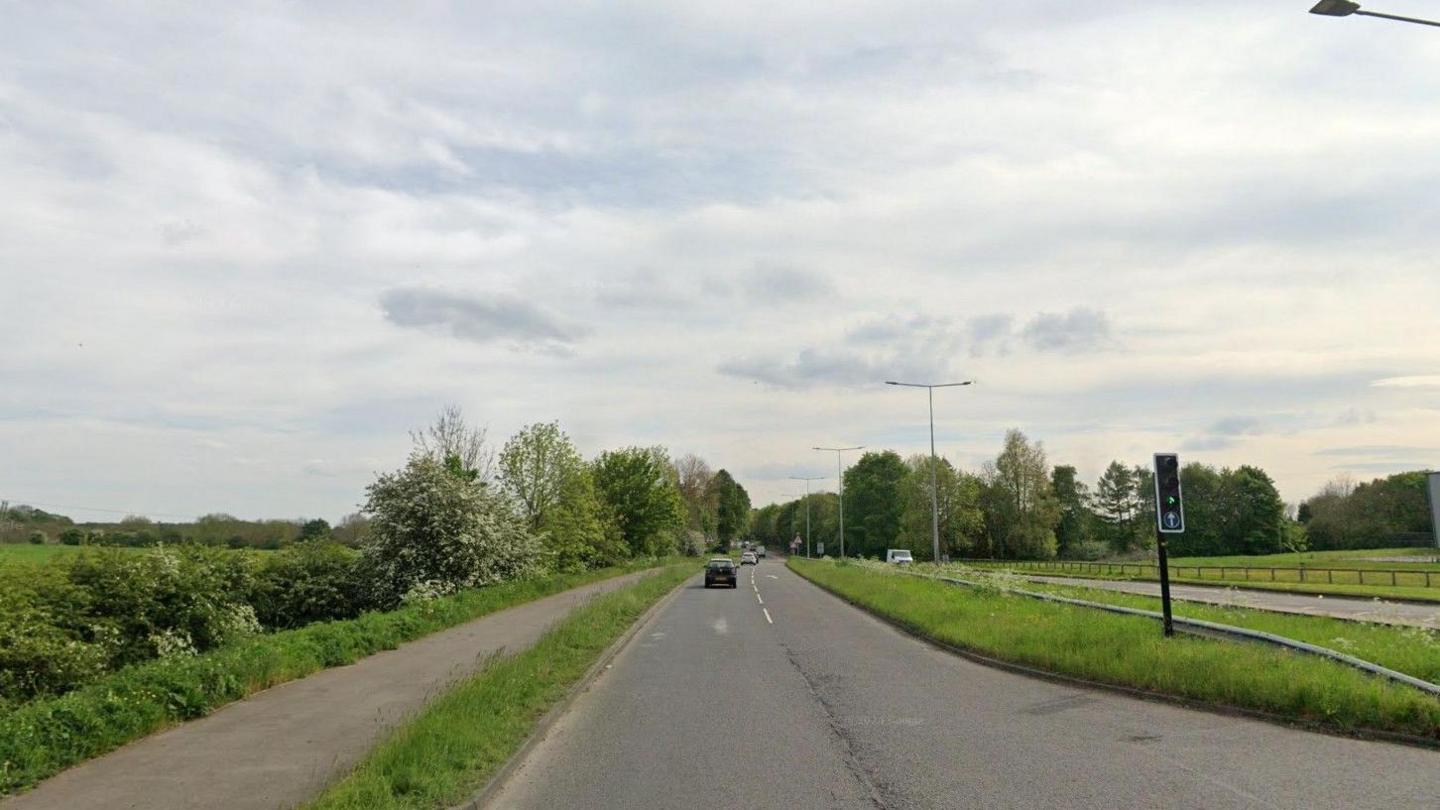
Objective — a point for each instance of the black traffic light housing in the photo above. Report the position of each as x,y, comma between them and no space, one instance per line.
1169,504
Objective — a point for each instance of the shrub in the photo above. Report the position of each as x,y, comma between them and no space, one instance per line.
37,538
431,523
72,537
305,583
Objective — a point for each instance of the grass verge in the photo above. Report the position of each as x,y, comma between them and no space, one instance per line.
452,748
1129,651
42,737
1398,592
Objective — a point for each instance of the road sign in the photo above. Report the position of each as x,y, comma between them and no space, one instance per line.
820,549
1169,506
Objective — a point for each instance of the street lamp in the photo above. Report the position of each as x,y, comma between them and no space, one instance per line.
934,488
840,476
807,507
1344,8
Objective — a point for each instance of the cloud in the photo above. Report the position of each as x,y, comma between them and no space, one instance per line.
1078,330
811,367
1422,381
497,318
1378,451
787,285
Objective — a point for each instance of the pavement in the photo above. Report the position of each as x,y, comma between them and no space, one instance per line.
282,746
1339,607
778,694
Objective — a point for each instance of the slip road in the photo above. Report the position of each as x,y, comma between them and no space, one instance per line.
780,695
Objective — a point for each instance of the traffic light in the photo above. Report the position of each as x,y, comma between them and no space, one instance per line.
1169,506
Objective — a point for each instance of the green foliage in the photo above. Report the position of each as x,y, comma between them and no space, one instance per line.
732,507
873,503
961,519
1073,531
44,736
442,532
638,486
1383,512
305,583
1020,508
37,538
72,536
578,530
536,465
457,742
1119,509
317,529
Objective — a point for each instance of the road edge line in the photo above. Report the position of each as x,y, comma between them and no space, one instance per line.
486,794
1222,709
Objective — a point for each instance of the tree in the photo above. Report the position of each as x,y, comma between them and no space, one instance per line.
732,506
536,464
1118,508
1022,512
577,530
693,476
435,532
452,442
351,529
873,503
1255,519
961,520
639,488
317,529
1072,532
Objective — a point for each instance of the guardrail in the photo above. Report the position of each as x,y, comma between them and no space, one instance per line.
1199,627
1229,573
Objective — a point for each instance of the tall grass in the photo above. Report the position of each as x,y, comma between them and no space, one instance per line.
460,740
1130,651
41,737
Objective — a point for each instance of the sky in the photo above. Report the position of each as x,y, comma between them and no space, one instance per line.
246,247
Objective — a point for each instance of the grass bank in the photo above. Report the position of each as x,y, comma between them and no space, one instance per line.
1412,650
44,736
459,741
1129,651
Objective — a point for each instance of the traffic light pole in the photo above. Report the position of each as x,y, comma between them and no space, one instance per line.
1164,582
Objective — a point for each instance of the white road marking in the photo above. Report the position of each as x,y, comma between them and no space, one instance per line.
766,611
772,576
758,599
721,626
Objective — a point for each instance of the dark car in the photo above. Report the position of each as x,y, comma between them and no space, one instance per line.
721,571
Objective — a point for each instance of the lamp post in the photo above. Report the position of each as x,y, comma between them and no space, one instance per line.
807,508
840,477
934,488
1344,8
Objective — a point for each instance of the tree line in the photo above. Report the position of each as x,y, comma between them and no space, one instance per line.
1019,506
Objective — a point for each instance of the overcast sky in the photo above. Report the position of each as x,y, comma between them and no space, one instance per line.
245,247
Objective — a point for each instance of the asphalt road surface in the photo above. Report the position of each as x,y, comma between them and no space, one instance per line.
777,694
1340,607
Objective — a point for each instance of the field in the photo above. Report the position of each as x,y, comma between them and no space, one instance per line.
1426,559
1129,651
26,552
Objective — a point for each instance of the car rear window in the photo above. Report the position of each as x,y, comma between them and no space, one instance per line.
721,564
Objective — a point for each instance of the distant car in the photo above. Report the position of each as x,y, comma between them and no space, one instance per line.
749,558
899,556
721,571
759,551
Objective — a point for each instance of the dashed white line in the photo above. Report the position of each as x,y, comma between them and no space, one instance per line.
758,599
766,611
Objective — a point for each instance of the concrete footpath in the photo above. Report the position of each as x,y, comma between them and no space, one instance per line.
1354,608
282,746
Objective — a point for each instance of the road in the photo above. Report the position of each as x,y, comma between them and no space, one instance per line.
1340,607
282,746
780,695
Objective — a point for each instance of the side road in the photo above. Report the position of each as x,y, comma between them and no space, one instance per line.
280,747
1339,607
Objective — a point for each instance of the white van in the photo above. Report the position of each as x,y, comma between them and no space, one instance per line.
899,556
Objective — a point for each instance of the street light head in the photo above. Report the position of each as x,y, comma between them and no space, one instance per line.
1335,8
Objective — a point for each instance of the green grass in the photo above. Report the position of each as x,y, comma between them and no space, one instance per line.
1129,651
26,552
1412,650
458,742
1343,582
1348,558
44,736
